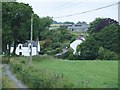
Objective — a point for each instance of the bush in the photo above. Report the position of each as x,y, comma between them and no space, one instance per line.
39,78
5,59
105,54
71,57
55,45
68,54
53,52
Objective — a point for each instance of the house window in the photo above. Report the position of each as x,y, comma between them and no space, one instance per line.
20,53
19,47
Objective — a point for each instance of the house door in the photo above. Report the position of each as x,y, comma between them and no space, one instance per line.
20,53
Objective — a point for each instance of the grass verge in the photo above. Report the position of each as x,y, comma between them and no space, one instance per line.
48,72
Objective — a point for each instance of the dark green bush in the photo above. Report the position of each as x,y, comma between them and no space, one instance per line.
55,45
105,54
53,52
68,54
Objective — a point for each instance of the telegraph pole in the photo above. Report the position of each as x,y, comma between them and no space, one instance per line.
119,12
30,63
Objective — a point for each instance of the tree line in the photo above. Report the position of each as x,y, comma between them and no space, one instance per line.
16,24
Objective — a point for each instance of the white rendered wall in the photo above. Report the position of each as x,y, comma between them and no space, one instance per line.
25,51
74,45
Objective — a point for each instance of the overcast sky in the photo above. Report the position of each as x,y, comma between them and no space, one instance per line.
56,8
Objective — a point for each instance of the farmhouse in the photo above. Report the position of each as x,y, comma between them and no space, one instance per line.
78,27
75,43
25,49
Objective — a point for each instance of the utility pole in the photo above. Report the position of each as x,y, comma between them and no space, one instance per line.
119,12
30,63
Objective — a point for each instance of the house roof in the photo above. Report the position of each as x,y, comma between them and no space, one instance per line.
34,43
81,37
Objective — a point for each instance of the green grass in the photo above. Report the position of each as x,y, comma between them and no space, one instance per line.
96,73
5,80
90,74
0,76
7,83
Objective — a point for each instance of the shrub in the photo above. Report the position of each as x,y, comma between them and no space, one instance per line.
5,59
66,55
53,52
39,78
105,54
55,45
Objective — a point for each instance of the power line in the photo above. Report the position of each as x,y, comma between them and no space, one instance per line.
86,11
67,7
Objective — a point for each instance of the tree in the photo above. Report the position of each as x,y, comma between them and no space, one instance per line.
99,23
88,49
107,38
67,22
45,23
16,23
93,25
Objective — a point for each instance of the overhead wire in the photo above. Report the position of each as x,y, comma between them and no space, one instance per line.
86,11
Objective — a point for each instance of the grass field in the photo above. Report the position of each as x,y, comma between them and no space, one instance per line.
0,76
90,74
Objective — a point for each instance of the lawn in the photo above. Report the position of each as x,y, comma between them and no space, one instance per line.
85,73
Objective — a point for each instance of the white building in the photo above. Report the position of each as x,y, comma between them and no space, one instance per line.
25,49
75,43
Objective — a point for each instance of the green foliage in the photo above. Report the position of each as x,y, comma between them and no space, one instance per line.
67,22
55,51
5,59
107,38
88,49
48,72
99,23
38,78
105,54
53,39
55,45
68,54
16,23
93,25
7,83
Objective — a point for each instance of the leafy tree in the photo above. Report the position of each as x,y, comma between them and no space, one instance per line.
107,38
93,25
36,26
67,22
16,19
45,23
83,22
88,49
99,23
105,54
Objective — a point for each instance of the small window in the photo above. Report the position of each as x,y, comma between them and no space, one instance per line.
20,47
20,53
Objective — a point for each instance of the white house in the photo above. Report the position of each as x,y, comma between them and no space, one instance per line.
75,43
25,49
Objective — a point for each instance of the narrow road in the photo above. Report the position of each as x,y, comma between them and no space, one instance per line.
18,83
